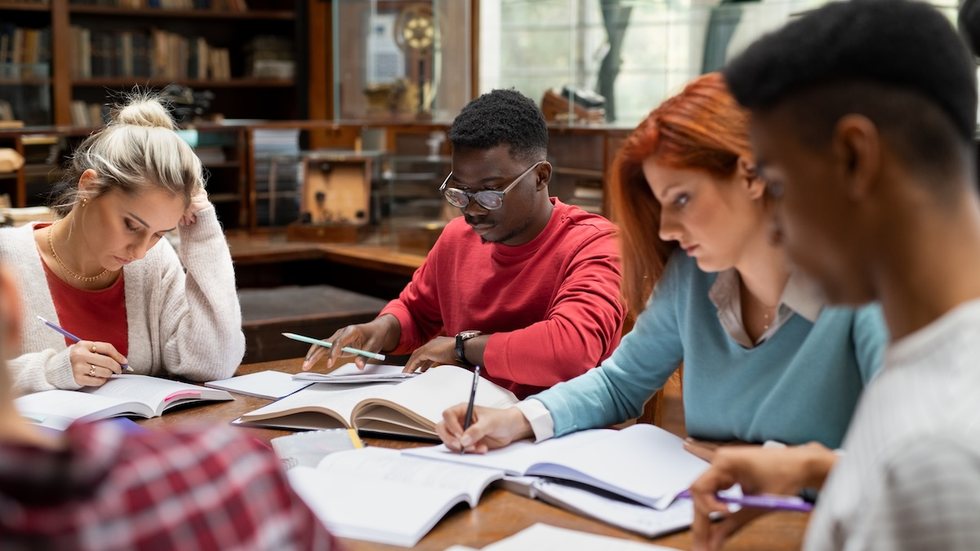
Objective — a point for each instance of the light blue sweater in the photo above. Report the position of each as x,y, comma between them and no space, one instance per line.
800,385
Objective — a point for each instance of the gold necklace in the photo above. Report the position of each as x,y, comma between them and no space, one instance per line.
68,270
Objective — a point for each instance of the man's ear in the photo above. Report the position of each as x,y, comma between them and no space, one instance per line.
856,148
748,177
11,315
543,173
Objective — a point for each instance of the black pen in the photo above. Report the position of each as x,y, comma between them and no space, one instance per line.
468,420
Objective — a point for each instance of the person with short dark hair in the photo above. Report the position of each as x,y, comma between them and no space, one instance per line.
863,117
521,284
714,294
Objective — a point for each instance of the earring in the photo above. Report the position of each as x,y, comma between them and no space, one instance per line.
84,202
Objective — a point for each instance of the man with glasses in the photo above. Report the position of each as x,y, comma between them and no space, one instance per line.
521,284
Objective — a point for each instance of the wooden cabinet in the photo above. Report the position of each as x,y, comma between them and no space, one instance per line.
81,54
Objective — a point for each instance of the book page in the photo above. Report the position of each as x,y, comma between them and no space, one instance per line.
336,401
350,374
518,457
607,508
544,537
643,462
376,494
264,384
423,399
57,409
156,393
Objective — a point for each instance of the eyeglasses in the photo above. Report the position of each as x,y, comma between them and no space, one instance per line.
489,199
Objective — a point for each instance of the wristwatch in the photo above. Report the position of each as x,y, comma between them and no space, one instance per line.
462,337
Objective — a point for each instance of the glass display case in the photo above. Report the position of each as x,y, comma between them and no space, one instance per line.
400,60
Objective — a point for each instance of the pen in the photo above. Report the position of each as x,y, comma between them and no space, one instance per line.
74,338
325,344
762,501
468,420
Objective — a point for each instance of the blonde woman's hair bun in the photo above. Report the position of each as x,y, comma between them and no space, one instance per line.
145,110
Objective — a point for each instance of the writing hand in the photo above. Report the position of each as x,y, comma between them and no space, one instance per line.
93,363
491,428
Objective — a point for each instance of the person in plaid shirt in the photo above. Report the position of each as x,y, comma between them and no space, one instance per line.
101,487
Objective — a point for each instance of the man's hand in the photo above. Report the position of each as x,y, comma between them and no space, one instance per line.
375,336
758,470
438,351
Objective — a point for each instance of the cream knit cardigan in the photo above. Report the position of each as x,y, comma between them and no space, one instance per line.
184,324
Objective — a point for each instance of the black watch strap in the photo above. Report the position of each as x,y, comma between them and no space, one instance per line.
460,349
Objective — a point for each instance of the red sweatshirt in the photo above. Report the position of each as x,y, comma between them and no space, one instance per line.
552,305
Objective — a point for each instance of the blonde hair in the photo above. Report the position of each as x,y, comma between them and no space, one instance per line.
137,149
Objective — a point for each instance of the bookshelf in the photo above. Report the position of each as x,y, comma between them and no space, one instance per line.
61,60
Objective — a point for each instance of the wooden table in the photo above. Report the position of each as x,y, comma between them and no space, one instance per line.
500,513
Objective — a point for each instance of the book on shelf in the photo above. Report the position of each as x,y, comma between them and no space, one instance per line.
411,408
154,53
387,497
122,395
642,463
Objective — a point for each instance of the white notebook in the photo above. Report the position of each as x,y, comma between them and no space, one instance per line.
544,537
379,495
264,384
350,374
643,462
123,395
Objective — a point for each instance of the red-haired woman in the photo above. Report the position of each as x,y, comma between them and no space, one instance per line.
763,358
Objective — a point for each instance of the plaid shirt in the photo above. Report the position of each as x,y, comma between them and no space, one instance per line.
208,488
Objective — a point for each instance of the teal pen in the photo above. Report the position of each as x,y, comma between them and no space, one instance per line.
74,338
325,344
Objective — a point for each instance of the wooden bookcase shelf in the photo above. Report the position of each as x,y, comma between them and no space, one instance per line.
83,56
121,82
111,11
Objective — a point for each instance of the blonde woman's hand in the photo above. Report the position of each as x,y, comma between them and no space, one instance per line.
93,363
199,202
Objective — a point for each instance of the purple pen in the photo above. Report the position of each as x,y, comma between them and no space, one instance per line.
74,338
763,501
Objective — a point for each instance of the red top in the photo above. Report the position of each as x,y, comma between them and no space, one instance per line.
91,315
553,305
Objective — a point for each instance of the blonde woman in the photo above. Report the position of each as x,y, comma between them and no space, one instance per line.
104,273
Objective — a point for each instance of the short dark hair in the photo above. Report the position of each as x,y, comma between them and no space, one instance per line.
900,63
969,23
502,117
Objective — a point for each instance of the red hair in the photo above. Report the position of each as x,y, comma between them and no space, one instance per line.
703,128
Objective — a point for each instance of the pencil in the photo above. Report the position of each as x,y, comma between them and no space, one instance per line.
74,338
468,420
325,344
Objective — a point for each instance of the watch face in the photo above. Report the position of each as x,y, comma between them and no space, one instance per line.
468,334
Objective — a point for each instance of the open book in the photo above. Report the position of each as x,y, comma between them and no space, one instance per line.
411,408
643,463
379,495
123,395
604,506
